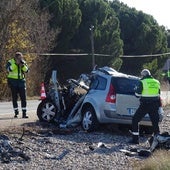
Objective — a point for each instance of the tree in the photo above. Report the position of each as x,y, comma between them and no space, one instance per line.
66,16
24,28
106,31
141,34
168,38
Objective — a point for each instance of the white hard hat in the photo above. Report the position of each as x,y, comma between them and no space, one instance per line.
145,72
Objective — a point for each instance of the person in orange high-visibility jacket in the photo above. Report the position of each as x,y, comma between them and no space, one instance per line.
149,92
17,68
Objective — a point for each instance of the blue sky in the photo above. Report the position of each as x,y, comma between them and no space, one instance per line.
159,9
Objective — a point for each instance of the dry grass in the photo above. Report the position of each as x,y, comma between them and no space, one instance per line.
160,160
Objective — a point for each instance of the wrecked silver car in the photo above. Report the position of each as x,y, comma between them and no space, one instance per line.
62,102
109,98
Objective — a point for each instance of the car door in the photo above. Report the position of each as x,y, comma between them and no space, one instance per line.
126,101
96,94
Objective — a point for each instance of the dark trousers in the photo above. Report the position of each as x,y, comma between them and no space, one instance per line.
152,110
22,93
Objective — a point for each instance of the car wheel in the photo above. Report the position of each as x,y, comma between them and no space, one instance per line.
89,120
46,111
146,130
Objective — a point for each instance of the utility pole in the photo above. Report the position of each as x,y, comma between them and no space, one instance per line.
92,45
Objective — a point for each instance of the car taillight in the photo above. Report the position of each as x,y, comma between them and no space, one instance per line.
111,96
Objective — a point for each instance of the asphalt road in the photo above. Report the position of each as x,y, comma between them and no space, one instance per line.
6,107
7,119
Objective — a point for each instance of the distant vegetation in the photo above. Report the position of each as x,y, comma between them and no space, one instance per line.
63,26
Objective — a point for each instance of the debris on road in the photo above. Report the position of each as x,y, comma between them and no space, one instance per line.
7,151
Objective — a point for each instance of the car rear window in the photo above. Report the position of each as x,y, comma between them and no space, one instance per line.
125,85
98,83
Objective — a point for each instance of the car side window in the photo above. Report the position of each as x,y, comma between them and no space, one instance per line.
126,86
98,83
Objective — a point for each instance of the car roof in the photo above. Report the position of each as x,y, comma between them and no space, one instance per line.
108,71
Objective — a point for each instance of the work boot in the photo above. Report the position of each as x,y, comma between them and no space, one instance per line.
135,139
16,114
24,115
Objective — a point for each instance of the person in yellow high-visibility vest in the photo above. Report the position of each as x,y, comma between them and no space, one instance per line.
149,92
17,68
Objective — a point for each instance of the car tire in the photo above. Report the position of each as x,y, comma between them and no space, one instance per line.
89,120
146,130
46,111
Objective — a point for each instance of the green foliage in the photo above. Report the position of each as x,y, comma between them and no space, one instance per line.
141,35
66,16
168,38
106,30
62,26
152,66
116,64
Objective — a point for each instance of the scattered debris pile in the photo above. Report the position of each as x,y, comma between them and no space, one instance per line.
7,151
159,141
17,150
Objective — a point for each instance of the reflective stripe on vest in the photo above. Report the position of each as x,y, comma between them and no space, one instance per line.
17,73
151,87
135,133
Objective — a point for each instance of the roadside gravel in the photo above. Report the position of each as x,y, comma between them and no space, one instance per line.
43,146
